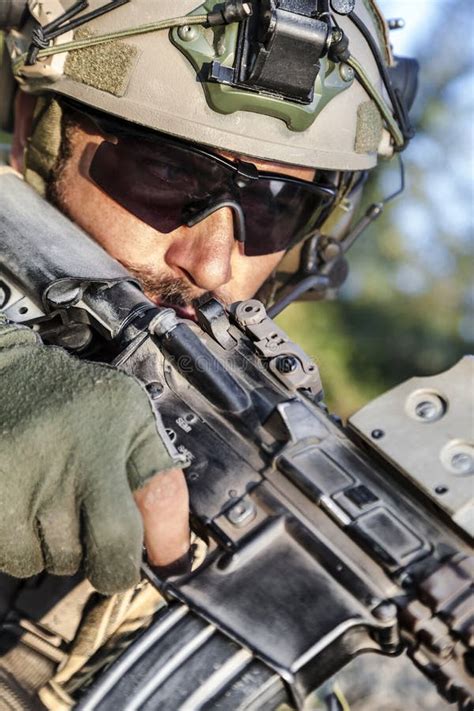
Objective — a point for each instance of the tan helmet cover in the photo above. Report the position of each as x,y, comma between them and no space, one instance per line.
146,79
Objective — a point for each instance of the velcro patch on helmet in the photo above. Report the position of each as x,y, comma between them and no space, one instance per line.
106,67
369,128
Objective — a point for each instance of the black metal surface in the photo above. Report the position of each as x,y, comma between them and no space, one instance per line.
319,475
213,320
229,12
201,369
164,670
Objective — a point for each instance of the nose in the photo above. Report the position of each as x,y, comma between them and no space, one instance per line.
204,252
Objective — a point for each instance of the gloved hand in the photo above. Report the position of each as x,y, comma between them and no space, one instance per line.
76,439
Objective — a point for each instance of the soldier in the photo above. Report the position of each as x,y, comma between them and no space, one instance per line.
202,152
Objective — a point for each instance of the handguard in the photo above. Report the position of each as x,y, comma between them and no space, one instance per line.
322,544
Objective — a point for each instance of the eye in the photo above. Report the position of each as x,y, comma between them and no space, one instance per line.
162,170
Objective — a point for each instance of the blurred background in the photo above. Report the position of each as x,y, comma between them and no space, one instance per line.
408,305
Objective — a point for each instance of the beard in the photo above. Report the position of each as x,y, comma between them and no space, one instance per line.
166,290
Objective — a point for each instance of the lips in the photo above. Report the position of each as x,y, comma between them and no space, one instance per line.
187,312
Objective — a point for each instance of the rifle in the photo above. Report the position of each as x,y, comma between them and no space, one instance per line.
324,541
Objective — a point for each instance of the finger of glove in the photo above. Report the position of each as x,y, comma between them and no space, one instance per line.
60,538
112,536
149,455
20,550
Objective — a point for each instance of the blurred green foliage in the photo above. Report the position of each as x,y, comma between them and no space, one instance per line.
407,308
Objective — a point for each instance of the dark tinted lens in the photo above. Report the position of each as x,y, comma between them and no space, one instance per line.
163,183
155,180
278,212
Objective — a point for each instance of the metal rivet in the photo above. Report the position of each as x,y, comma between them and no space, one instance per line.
425,406
62,295
242,513
385,611
287,364
188,33
426,410
396,23
462,462
377,434
346,72
343,7
441,489
457,457
154,389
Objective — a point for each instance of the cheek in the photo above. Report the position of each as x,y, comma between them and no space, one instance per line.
126,238
119,232
249,273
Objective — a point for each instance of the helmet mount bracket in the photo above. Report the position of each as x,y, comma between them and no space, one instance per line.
278,51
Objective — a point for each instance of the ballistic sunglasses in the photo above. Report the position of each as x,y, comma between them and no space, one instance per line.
167,183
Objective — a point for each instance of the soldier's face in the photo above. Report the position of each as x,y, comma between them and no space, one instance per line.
173,268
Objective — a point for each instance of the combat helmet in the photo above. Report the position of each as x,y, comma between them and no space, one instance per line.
304,82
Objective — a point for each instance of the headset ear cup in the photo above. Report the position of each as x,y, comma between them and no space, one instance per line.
12,14
404,77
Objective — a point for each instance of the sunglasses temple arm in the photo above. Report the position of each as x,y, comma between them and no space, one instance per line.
239,219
